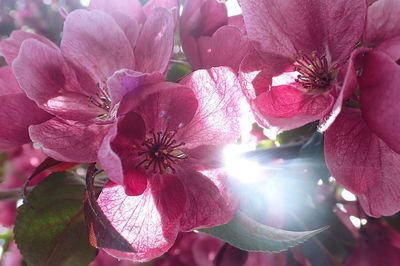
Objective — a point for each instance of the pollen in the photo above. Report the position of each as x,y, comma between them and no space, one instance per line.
161,152
314,74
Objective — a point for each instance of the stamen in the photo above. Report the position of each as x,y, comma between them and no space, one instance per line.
101,99
160,152
314,74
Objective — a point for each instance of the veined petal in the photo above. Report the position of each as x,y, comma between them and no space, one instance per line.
207,202
216,121
379,96
94,42
150,222
363,163
69,141
284,27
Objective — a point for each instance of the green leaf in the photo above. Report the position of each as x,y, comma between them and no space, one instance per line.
50,229
248,234
177,72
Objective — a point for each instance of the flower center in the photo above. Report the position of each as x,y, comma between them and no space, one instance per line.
101,99
314,74
160,152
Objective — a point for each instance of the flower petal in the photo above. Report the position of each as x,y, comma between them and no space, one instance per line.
216,121
116,154
154,47
94,42
172,5
48,80
125,81
69,141
150,222
383,27
8,83
208,202
9,48
17,113
284,27
162,106
130,8
215,51
363,163
380,93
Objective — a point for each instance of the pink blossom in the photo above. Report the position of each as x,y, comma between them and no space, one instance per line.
362,149
163,157
209,37
70,82
379,244
299,69
12,257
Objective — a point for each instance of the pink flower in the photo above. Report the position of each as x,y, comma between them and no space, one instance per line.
299,70
209,37
379,244
163,157
71,82
361,148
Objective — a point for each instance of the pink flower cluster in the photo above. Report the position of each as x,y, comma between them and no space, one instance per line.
102,96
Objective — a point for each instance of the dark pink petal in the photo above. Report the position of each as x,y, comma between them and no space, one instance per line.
69,141
126,81
383,27
205,157
163,106
150,222
208,202
216,121
380,94
363,163
284,27
130,8
17,113
213,16
94,42
286,107
8,212
8,83
154,47
9,48
48,80
215,51
118,156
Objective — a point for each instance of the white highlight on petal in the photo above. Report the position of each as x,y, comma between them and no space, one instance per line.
357,222
85,2
233,8
347,195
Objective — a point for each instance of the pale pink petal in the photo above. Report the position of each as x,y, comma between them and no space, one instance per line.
284,27
150,222
215,51
130,8
207,202
118,156
48,80
17,113
69,141
8,83
129,26
383,27
9,48
380,94
216,121
125,81
94,42
363,163
154,47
